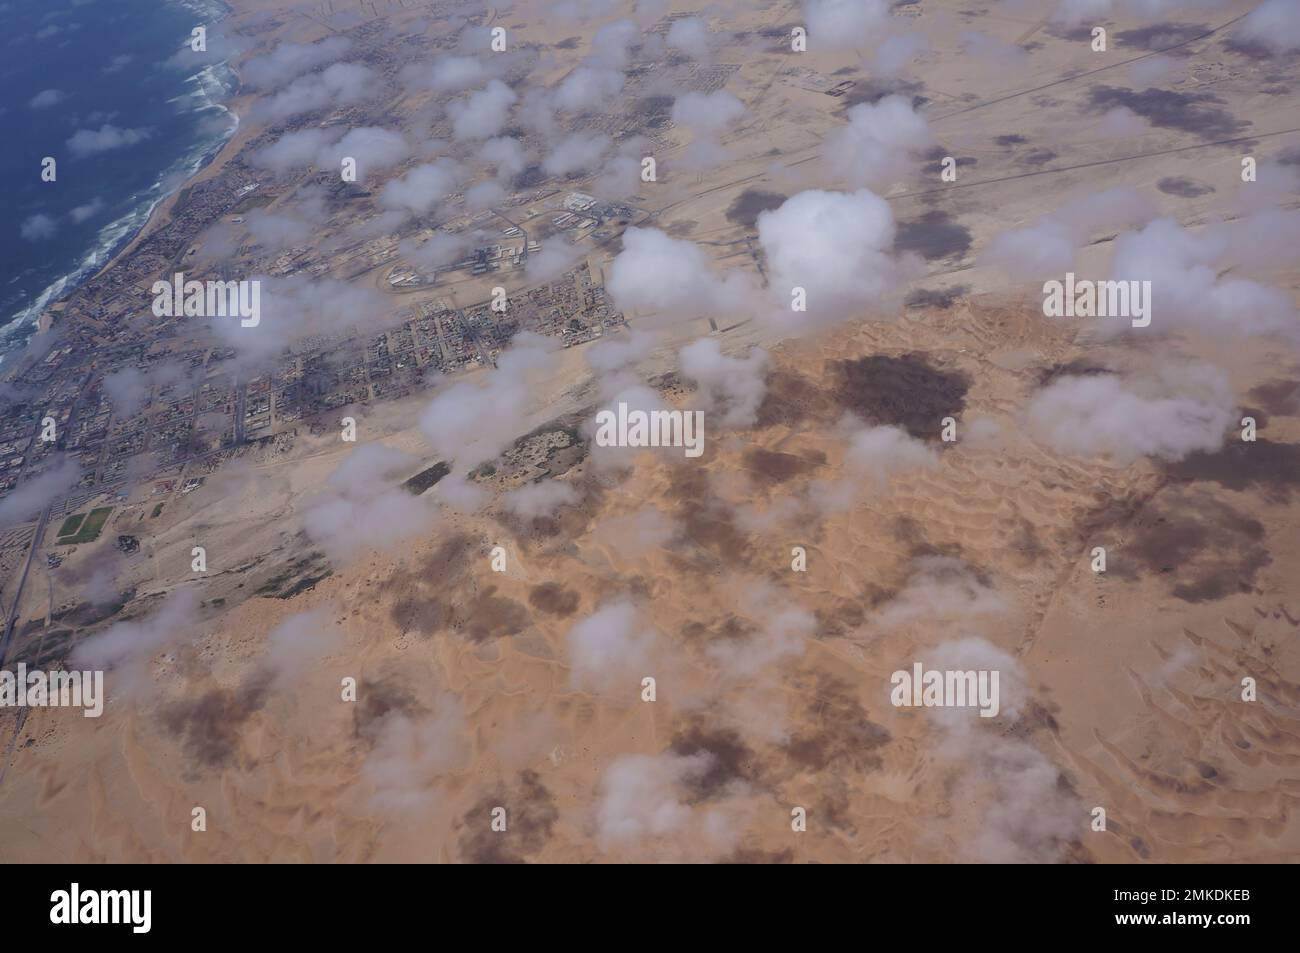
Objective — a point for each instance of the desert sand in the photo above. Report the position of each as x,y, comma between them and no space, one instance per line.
772,685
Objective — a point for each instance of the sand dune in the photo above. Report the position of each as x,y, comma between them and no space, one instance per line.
523,689
772,685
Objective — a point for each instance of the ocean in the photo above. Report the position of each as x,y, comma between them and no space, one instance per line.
105,88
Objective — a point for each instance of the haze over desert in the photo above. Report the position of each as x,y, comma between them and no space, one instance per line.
822,432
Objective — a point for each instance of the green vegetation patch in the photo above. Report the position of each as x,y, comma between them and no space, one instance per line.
296,577
427,478
90,527
71,524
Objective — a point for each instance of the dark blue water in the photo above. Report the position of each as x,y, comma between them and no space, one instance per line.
107,89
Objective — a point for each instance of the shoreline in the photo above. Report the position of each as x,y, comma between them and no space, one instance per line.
238,106
160,212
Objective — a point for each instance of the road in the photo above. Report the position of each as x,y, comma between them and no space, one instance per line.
11,623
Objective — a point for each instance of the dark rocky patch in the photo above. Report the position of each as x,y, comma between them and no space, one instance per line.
375,700
485,617
530,178
835,810
770,466
731,629
846,616
554,599
1280,397
449,560
1271,467
425,616
936,156
568,522
1037,157
790,398
296,577
707,521
730,760
1075,368
935,235
491,616
840,735
530,818
1076,34
1025,541
1261,417
446,565
752,855
937,298
905,391
208,726
656,112
85,614
1160,36
910,532
1250,49
872,91
1206,549
749,204
1183,187
1200,114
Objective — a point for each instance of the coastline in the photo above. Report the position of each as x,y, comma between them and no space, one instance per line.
237,105
162,210
213,159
